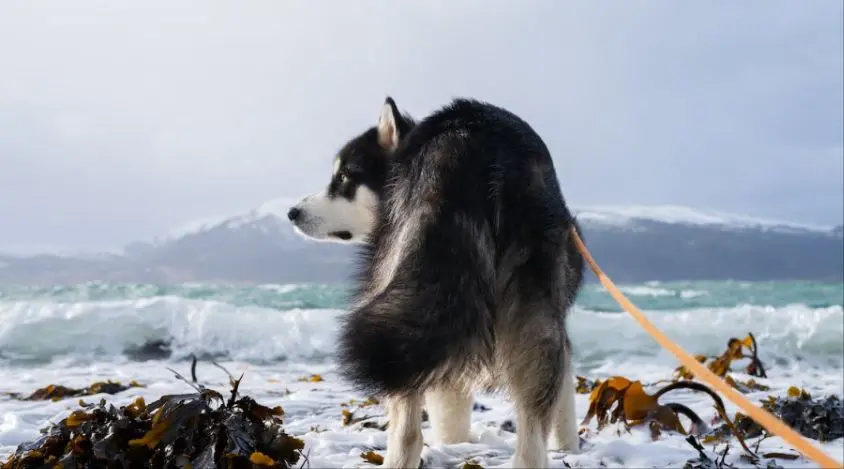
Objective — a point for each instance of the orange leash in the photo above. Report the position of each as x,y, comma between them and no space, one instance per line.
760,415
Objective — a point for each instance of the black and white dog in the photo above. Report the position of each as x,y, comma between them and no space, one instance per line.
467,273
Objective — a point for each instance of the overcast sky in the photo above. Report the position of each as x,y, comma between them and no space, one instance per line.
121,120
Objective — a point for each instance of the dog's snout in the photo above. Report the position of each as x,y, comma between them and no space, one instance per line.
293,214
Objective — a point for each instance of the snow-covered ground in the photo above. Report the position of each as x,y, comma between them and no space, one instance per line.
313,413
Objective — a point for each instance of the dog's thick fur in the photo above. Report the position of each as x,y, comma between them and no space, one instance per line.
467,272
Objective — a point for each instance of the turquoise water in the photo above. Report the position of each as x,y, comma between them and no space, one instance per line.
651,296
799,321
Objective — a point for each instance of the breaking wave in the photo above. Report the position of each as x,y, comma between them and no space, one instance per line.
299,323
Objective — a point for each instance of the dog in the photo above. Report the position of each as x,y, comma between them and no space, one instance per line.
466,273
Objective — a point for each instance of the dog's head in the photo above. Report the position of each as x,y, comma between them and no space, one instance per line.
347,210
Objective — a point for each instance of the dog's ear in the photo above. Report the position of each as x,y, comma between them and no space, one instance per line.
389,125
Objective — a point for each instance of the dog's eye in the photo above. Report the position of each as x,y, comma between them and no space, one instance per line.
341,177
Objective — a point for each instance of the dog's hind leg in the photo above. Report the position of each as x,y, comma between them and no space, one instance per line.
404,432
533,360
450,411
564,426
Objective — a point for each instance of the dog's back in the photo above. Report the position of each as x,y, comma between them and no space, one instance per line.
471,252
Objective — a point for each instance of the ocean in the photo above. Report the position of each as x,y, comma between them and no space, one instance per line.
74,335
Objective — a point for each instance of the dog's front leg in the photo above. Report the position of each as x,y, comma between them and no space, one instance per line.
404,433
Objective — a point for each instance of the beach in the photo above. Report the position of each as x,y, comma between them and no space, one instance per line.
281,336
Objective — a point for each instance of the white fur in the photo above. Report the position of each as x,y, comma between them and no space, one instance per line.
564,426
386,269
531,448
407,224
404,432
388,131
336,168
449,411
322,215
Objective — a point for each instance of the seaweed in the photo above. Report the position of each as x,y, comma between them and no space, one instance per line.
619,399
720,365
703,461
56,392
311,379
818,419
150,350
372,457
585,385
349,418
193,430
746,386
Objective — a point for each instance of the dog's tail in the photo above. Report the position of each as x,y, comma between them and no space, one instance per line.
433,322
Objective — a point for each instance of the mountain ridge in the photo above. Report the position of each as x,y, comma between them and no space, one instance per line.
611,214
634,243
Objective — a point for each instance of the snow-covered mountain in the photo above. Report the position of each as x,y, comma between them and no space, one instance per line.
269,217
632,243
628,216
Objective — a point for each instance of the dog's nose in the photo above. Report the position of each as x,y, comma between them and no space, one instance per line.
293,214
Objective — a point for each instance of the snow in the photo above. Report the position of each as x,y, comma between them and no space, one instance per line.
271,217
622,215
313,412
274,210
31,250
195,226
64,342
277,207
276,348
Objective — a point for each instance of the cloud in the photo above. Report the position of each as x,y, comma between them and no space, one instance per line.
119,121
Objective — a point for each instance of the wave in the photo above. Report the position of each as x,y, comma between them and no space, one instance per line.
279,297
45,330
645,291
794,333
651,296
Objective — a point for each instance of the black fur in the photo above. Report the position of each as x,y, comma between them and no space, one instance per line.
499,230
